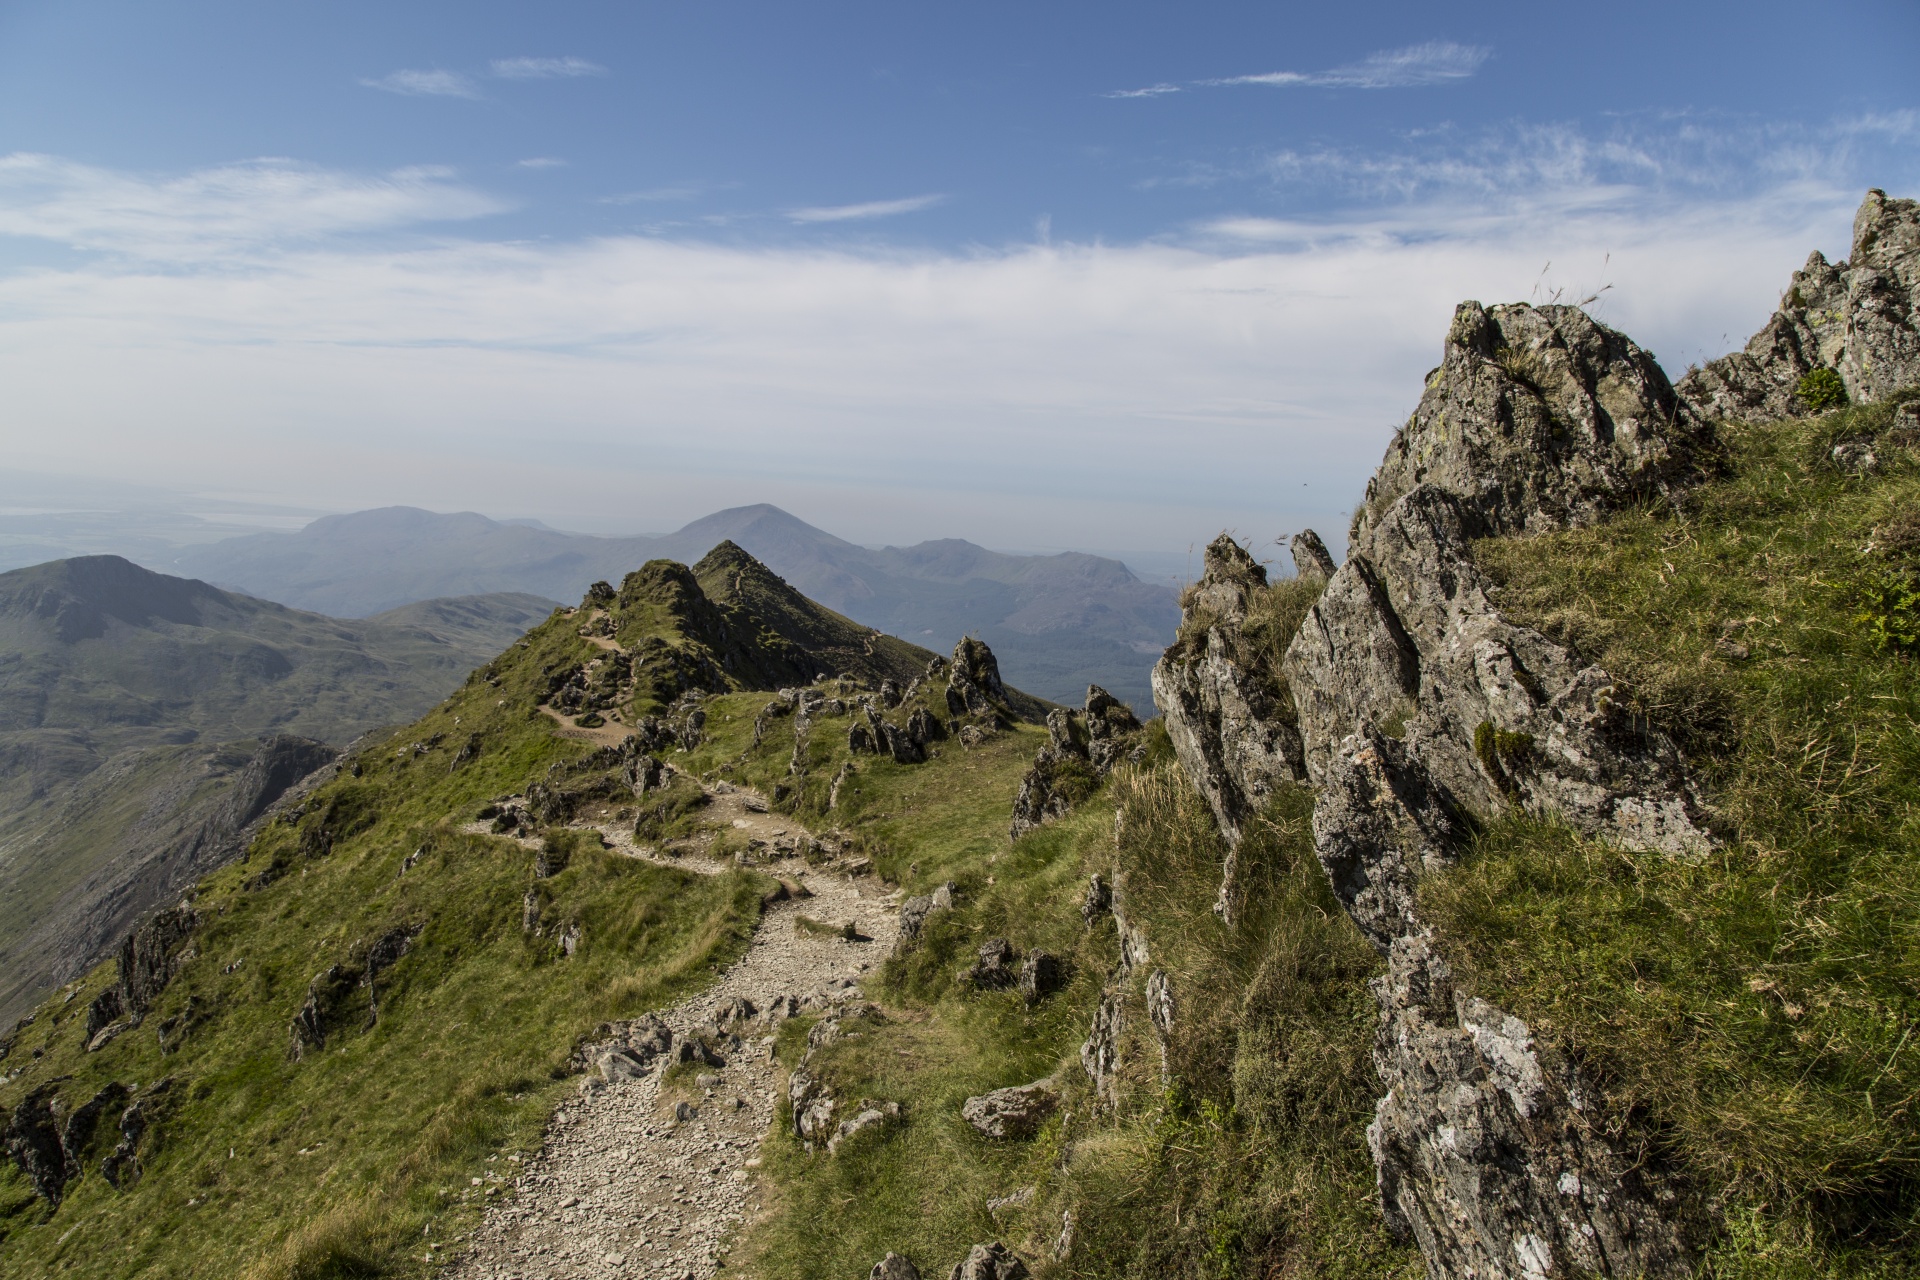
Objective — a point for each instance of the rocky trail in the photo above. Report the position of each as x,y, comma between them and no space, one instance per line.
643,1178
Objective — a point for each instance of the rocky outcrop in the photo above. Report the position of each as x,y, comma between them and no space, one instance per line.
1540,417
1228,713
914,911
151,955
1012,1113
32,1141
1418,710
1311,559
331,1002
973,680
1859,318
1406,636
893,1267
1079,752
1484,1151
992,968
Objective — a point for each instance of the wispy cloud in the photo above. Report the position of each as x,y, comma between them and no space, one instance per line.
543,162
545,68
1416,66
425,84
871,209
214,213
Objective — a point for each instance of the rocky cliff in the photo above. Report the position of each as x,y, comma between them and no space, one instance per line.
1859,318
1417,712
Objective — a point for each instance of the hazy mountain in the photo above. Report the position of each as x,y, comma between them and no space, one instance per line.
1057,622
132,709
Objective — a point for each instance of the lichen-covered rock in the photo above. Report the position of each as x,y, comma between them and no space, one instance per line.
1230,720
812,1106
1041,974
1496,713
1858,318
1311,559
1484,1154
1013,1113
990,1262
973,682
1541,417
893,1267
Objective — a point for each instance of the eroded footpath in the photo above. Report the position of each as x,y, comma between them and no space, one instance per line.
641,1179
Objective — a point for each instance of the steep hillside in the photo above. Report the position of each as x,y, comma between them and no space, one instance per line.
145,720
1058,622
497,884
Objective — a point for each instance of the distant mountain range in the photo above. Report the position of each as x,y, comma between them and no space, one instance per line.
144,719
1057,622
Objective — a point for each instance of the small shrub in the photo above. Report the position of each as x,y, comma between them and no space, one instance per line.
1821,390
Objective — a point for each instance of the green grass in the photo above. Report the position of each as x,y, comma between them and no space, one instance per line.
1750,1015
336,1165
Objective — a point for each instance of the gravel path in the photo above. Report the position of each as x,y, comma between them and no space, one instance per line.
623,1188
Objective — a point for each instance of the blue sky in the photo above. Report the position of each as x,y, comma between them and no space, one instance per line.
1111,276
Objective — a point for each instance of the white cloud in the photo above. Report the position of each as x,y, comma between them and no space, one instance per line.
425,84
543,162
545,68
1130,395
1151,91
1416,66
872,209
211,213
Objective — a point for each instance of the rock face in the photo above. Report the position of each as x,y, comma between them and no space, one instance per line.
1494,713
1229,716
1414,709
1017,1112
1483,1153
1860,318
1540,417
151,954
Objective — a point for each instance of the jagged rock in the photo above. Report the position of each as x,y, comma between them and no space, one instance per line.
973,684
1230,720
889,693
107,1007
1858,318
530,911
992,971
867,1114
1098,900
914,911
1541,417
1494,712
1110,724
150,956
1311,559
1483,1152
328,990
812,1107
893,1267
923,730
107,1035
1041,975
1100,1053
1379,820
1015,1113
860,739
990,1262
330,993
32,1139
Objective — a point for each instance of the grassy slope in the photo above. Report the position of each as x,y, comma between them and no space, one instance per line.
340,1162
1752,1012
1250,1159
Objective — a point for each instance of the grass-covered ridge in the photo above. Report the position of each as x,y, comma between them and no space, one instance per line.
1751,1014
340,1162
